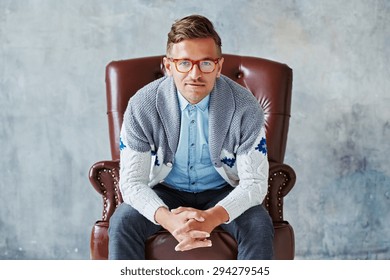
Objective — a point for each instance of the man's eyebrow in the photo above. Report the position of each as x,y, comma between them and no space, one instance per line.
205,58
209,58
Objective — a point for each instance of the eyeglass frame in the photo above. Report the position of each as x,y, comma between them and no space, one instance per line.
194,62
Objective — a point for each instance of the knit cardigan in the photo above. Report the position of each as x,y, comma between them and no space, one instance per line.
150,136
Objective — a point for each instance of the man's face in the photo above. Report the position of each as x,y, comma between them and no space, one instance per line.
194,85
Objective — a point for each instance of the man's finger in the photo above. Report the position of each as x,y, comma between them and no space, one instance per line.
189,244
199,234
190,213
182,209
182,230
178,210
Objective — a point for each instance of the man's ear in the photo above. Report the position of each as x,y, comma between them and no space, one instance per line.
220,62
168,66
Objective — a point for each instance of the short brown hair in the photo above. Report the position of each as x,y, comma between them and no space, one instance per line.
193,27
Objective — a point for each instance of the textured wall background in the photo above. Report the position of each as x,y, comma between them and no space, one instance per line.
53,122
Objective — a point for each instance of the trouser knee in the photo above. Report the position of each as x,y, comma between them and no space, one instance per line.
254,233
127,220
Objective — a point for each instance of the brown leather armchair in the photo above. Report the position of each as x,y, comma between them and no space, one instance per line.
270,82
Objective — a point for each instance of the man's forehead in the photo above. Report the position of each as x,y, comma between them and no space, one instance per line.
201,48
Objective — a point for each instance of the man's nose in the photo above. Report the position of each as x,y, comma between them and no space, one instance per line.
195,72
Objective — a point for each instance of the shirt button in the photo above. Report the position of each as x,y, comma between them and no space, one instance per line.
191,167
169,164
192,121
193,183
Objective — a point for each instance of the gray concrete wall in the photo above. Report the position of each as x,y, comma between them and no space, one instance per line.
53,122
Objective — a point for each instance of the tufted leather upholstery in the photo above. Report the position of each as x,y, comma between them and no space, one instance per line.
270,82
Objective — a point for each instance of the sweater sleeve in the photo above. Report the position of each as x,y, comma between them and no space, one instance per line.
253,169
134,178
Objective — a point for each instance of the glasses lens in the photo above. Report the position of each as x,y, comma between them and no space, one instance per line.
184,65
207,66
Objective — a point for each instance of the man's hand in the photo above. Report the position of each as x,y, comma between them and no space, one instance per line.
173,221
211,218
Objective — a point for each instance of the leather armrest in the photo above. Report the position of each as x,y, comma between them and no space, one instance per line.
104,177
281,180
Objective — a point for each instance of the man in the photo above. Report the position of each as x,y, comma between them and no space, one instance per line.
193,154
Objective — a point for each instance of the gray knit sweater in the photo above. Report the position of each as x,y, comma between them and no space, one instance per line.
150,136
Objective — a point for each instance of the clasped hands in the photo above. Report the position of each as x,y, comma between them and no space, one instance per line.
191,227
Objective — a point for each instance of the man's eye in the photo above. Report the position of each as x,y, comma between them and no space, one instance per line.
184,63
207,63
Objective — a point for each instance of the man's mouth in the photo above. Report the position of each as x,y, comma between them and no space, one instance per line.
195,84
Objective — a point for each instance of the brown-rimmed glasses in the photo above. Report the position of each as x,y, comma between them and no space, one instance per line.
186,65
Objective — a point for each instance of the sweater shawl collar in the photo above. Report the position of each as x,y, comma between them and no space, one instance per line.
221,110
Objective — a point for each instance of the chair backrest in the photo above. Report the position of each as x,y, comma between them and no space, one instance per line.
269,81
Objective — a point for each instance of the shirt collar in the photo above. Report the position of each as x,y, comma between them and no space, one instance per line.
202,105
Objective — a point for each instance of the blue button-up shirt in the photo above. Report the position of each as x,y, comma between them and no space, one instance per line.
192,170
